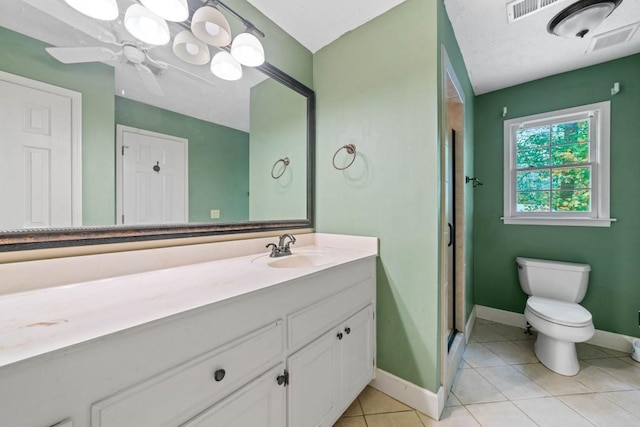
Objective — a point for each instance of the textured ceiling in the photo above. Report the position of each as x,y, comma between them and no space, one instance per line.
316,23
498,54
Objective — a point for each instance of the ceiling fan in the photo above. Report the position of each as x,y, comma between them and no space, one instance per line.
134,53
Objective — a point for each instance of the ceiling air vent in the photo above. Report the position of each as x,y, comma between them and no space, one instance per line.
519,9
613,37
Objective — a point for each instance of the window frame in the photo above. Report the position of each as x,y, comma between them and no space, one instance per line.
599,115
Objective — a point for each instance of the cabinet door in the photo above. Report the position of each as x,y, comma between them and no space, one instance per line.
356,354
313,391
261,403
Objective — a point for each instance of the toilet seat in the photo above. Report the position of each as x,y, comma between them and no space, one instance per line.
560,312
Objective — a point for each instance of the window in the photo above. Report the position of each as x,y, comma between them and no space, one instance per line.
556,167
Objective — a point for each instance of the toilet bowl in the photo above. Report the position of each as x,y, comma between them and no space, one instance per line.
555,288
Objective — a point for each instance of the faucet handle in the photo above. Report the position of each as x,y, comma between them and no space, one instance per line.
273,246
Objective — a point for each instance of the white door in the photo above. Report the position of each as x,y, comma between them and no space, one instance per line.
356,354
313,391
259,404
153,177
36,156
449,235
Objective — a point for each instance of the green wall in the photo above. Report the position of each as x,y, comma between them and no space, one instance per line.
613,296
218,159
278,129
26,57
447,39
377,87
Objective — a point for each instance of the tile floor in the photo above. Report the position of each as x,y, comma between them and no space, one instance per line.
501,383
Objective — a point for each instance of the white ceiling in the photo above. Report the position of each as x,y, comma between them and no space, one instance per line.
497,54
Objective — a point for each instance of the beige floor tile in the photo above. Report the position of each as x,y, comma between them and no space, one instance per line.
600,410
470,387
479,356
376,402
598,380
351,422
615,353
511,333
451,417
512,383
500,414
619,370
465,365
555,384
630,361
629,400
483,322
513,352
484,333
551,412
353,409
398,419
588,351
452,401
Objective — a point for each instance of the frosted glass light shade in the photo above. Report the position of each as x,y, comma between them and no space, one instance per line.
190,49
104,10
146,26
209,25
247,50
581,18
171,10
225,67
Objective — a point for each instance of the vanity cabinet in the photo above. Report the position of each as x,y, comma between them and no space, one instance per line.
294,353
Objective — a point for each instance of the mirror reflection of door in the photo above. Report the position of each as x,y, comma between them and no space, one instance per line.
36,155
152,188
450,233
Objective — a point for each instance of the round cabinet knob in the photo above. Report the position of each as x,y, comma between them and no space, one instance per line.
347,330
339,335
219,374
280,379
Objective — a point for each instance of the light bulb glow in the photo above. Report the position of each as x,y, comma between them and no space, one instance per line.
104,10
188,48
191,48
171,10
247,50
225,67
209,25
146,26
211,28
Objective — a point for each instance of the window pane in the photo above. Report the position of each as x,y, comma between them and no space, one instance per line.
571,201
532,158
532,201
533,180
566,133
571,178
532,137
567,154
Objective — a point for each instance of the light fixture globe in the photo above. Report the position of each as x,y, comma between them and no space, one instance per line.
146,26
104,10
190,49
225,67
209,25
582,17
171,10
247,50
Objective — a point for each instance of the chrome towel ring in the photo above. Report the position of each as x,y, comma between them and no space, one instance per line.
285,161
351,149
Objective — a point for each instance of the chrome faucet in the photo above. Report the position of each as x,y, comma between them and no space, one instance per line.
282,248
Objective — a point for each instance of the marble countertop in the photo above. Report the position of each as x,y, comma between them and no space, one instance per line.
41,321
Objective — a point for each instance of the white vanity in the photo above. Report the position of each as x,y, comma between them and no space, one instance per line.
242,341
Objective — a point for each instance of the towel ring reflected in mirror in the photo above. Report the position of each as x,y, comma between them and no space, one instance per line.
285,162
351,150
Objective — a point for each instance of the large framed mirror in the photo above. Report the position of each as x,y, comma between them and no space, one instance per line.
104,138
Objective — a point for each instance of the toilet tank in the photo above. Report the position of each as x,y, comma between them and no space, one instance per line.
564,281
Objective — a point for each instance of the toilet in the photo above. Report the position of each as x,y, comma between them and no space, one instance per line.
555,288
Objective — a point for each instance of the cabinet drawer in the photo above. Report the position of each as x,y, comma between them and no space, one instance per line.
176,395
311,322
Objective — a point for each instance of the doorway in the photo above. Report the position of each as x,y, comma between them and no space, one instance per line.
152,177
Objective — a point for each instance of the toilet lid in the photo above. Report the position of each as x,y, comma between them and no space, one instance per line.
560,312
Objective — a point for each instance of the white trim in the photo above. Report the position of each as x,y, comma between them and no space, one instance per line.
120,129
425,401
570,222
601,338
471,322
76,136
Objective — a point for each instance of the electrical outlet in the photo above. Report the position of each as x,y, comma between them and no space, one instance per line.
215,213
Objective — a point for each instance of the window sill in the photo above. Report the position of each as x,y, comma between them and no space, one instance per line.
568,222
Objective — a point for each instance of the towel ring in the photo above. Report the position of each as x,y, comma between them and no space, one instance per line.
285,162
351,149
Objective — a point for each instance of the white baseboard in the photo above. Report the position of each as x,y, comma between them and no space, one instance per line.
425,401
600,338
471,322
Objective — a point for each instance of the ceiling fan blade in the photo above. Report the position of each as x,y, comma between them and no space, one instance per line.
74,19
188,73
75,55
149,80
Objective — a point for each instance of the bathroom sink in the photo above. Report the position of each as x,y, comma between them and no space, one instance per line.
311,258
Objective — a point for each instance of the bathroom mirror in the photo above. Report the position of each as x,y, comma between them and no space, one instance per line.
154,147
